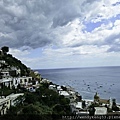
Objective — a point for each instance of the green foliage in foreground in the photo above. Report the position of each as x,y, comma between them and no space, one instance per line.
42,104
49,99
37,109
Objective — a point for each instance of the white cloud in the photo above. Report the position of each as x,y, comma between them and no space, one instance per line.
103,9
18,53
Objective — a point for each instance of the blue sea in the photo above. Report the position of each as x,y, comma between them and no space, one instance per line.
88,81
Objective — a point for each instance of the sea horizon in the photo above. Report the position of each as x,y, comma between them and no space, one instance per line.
74,67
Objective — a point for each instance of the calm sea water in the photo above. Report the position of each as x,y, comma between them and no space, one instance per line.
88,81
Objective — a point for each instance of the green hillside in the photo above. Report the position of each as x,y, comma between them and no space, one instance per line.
12,61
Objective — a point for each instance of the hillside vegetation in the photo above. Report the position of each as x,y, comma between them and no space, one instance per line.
42,104
12,61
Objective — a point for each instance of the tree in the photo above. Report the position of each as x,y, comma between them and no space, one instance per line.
91,111
58,110
83,104
5,49
31,98
114,107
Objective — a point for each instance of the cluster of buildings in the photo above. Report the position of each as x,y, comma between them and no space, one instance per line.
76,103
10,77
81,106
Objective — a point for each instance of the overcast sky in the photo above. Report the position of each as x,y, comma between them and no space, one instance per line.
61,33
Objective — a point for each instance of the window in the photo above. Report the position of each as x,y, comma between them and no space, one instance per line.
20,80
15,81
29,79
25,80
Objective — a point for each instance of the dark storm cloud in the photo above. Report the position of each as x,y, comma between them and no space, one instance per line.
30,22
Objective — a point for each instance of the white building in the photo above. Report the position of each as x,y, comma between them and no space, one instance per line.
45,81
72,96
4,105
13,98
111,103
78,105
6,82
5,74
15,82
64,93
88,102
100,110
24,80
6,102
52,87
59,88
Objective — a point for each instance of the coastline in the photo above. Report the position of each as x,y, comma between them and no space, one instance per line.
102,80
77,105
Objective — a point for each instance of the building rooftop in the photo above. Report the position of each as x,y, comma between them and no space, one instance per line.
100,110
65,93
15,95
105,101
5,80
114,113
2,100
79,105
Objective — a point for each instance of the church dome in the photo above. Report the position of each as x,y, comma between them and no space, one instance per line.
96,96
